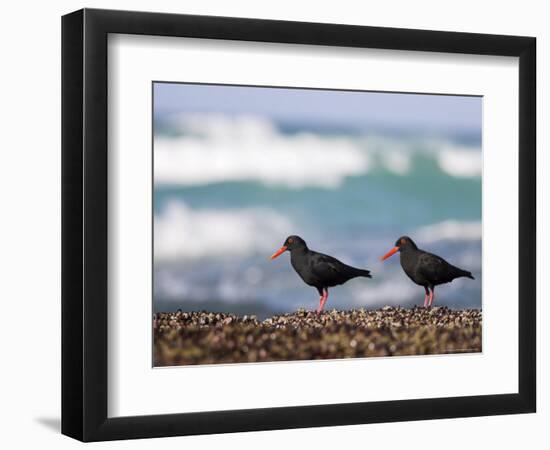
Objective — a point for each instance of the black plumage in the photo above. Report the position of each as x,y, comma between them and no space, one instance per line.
317,269
425,268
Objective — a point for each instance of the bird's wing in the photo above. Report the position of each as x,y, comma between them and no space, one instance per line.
433,267
328,268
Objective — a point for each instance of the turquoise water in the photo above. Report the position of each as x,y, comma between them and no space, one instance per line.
229,192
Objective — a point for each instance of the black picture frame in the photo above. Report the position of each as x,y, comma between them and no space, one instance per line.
84,224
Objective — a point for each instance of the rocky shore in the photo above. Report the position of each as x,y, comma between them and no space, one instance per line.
182,338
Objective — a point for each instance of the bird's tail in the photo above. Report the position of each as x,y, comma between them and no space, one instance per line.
467,274
364,273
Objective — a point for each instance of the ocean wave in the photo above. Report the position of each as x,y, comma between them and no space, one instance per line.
392,291
460,162
211,149
450,230
245,149
181,233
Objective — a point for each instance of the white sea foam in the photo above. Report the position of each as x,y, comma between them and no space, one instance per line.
396,290
450,230
244,149
218,148
460,162
182,233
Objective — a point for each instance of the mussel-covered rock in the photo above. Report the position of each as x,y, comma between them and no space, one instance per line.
204,337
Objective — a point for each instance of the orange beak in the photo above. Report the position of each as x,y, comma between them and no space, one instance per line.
391,252
278,252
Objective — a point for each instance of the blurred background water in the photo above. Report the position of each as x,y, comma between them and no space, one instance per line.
238,169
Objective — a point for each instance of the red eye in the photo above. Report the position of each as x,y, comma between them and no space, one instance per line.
290,241
402,241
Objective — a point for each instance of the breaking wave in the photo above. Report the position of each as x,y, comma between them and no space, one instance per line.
208,149
460,162
181,233
450,230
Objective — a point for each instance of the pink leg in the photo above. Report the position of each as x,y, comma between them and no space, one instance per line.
322,301
325,299
431,300
426,299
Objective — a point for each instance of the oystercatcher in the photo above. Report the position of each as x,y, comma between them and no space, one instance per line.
316,269
425,269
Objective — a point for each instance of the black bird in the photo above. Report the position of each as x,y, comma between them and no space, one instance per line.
425,269
318,270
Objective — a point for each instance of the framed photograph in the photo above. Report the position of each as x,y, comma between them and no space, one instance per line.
273,224
239,169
